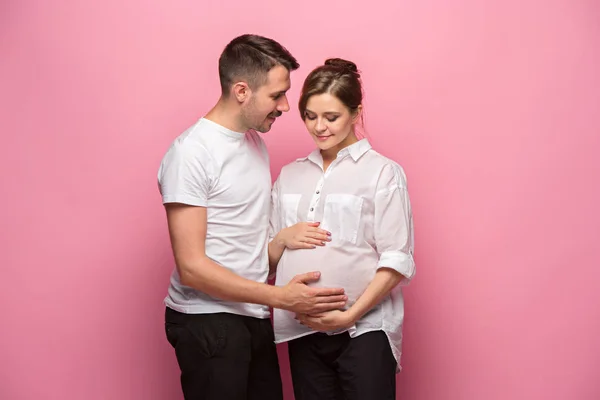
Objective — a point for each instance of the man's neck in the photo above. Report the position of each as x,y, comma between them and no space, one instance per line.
227,116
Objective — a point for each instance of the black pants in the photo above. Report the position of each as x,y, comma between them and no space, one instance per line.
337,367
224,356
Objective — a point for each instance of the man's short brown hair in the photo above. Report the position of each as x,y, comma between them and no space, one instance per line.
249,58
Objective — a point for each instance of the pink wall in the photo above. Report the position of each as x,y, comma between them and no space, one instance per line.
492,107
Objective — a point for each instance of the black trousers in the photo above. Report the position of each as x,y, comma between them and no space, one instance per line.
337,367
224,356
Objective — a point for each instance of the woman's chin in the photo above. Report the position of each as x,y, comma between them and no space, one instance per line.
324,146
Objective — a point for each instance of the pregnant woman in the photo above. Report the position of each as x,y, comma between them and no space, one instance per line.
344,210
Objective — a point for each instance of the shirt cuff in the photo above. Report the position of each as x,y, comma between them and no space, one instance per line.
398,261
183,199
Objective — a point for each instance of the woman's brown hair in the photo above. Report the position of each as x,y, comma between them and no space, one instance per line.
337,77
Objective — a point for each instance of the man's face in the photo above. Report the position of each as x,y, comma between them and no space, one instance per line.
268,101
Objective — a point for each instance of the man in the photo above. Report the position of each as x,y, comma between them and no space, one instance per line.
215,183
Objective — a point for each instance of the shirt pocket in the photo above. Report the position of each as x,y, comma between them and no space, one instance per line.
341,217
289,209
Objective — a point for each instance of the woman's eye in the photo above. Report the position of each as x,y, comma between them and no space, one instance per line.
332,119
312,118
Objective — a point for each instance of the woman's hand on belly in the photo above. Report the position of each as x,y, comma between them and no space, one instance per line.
303,235
327,321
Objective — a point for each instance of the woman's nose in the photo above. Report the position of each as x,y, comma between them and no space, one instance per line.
320,126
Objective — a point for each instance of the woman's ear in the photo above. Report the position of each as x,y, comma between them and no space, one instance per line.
357,114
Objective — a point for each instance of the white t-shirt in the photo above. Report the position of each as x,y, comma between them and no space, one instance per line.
228,173
362,200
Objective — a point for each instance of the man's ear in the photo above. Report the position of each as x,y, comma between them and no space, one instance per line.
241,91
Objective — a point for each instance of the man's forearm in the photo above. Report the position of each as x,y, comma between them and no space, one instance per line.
384,281
211,278
276,249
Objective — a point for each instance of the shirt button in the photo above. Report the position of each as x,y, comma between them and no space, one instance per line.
318,192
311,209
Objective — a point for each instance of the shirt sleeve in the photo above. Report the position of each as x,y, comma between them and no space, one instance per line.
185,176
274,219
393,223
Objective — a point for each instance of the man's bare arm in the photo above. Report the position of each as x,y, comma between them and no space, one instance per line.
187,230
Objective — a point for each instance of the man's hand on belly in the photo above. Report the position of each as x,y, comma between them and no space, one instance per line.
298,297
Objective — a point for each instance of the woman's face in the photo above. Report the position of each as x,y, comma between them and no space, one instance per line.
330,123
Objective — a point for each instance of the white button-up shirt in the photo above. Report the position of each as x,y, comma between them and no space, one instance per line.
363,201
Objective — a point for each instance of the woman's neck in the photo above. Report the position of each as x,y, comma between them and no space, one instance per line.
330,154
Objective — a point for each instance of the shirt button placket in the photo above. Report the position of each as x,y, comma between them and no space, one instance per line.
315,200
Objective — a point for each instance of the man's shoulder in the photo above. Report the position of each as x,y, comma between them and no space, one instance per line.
188,153
197,141
197,135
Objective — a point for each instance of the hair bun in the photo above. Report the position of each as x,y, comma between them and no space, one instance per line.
345,65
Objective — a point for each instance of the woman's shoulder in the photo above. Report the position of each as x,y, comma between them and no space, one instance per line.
296,165
301,163
389,170
291,170
384,162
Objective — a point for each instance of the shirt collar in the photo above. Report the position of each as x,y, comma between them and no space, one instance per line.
356,151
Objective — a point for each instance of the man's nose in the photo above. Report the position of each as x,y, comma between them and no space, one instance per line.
283,105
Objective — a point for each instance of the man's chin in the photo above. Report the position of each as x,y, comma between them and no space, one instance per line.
264,128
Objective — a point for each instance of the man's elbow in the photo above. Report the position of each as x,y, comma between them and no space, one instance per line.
185,278
188,275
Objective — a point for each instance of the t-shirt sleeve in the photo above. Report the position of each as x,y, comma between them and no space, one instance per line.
186,175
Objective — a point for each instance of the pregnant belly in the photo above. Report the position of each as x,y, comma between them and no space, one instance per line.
352,271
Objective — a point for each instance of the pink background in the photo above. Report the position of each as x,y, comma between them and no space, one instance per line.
492,107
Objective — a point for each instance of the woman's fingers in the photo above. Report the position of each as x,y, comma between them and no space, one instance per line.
321,238
304,244
308,243
312,237
318,236
319,231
